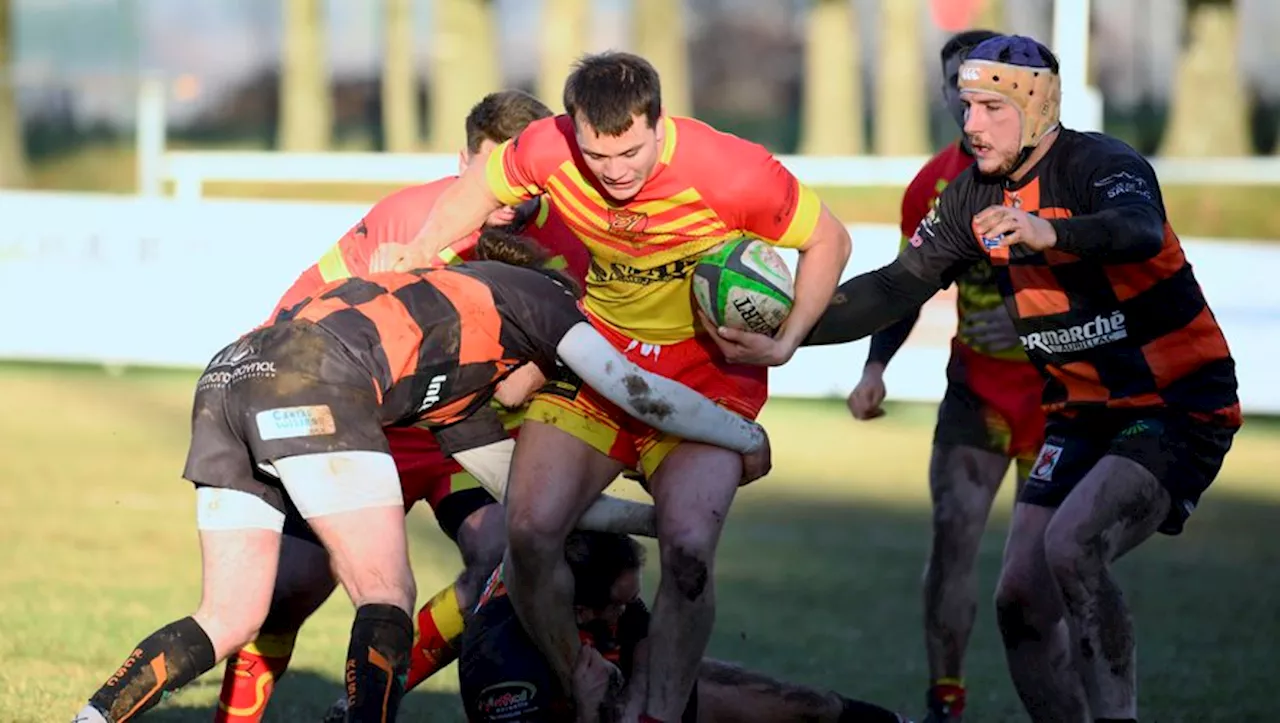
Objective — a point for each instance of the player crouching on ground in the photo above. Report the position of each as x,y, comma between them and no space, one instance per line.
293,413
503,677
1140,387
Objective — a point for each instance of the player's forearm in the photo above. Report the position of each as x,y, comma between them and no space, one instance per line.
869,302
661,403
817,273
1127,233
460,210
886,342
624,517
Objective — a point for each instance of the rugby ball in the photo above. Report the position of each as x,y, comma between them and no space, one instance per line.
744,284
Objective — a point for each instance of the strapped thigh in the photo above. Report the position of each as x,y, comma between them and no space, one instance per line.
328,483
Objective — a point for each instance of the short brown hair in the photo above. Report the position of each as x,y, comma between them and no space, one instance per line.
609,89
501,116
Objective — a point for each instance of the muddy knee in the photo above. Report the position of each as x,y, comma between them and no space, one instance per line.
1025,611
688,565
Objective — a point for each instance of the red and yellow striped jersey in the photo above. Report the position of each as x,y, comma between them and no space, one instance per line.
707,187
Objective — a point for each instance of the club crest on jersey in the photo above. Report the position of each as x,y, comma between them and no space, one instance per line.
1046,462
624,221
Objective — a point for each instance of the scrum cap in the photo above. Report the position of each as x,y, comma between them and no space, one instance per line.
1025,73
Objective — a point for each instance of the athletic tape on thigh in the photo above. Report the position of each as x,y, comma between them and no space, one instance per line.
331,482
219,509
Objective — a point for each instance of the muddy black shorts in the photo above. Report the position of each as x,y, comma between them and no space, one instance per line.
1184,452
281,391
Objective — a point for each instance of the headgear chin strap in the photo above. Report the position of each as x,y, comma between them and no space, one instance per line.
1035,92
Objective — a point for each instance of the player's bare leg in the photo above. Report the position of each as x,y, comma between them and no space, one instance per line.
1033,624
554,478
963,482
482,540
692,491
1116,507
353,503
730,694
303,582
238,567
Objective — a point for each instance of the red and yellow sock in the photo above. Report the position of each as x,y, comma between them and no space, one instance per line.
948,694
250,677
439,630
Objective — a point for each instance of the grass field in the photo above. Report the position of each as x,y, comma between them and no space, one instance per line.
1210,212
818,573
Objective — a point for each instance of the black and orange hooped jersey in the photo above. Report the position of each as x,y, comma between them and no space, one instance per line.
435,342
1121,328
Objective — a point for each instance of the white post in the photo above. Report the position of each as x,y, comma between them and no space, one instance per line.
151,135
1081,104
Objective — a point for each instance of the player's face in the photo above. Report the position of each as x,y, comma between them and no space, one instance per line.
625,590
993,128
466,159
621,163
951,88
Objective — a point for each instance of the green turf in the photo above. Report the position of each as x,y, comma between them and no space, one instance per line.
818,573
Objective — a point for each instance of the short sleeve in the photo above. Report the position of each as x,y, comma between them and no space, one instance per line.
915,203
518,169
943,244
770,202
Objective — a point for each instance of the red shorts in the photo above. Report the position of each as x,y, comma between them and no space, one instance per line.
427,474
568,404
992,404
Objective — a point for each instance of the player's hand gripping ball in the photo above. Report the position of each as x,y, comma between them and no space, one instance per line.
744,284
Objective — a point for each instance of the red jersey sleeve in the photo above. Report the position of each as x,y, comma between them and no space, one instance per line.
917,199
760,196
518,169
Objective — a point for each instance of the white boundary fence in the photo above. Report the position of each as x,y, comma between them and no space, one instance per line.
191,170
158,281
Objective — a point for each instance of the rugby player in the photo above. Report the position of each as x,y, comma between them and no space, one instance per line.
461,506
504,677
648,194
990,414
295,411
304,580
1140,387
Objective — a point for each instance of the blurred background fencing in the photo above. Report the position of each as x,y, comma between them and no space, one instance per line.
190,144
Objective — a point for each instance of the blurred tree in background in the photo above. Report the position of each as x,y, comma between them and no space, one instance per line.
564,39
306,103
13,157
399,84
1209,115
658,27
831,118
901,125
464,67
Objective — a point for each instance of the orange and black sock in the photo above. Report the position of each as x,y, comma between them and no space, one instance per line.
377,662
251,675
170,658
440,627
